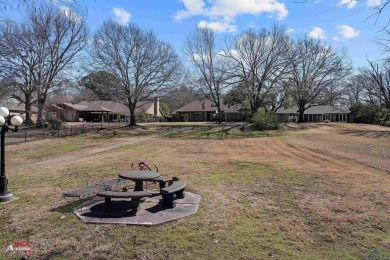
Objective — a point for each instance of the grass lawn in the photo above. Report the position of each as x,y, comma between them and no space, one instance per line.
318,191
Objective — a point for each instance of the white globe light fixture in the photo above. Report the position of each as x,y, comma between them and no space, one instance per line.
4,112
16,121
6,123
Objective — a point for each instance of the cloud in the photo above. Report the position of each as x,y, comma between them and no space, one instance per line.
290,30
317,33
309,3
121,15
224,12
252,25
218,26
70,14
349,3
347,32
374,3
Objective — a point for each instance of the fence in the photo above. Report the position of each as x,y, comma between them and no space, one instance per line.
28,135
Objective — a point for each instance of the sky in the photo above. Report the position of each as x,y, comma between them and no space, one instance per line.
342,23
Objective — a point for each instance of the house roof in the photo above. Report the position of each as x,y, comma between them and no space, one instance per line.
105,106
74,106
57,107
143,106
110,107
205,106
116,107
15,106
315,110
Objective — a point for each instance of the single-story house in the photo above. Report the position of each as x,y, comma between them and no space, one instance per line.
17,108
97,111
205,110
316,114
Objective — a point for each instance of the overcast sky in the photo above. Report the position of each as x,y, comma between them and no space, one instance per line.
343,23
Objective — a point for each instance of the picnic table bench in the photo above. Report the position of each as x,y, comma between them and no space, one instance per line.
92,190
162,181
172,192
135,196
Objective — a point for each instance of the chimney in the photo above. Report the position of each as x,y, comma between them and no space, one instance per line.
157,107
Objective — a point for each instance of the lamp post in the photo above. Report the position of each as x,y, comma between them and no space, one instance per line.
5,122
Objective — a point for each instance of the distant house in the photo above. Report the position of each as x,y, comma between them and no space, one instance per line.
205,110
17,108
316,114
97,111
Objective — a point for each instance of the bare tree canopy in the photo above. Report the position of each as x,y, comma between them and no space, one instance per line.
259,61
314,68
180,96
381,5
384,42
144,65
41,51
377,77
209,70
354,90
21,5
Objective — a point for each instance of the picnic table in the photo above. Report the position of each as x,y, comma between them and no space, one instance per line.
139,177
174,191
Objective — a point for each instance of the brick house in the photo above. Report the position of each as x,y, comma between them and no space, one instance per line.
316,114
97,111
205,110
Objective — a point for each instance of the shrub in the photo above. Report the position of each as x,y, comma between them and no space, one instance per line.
366,113
54,123
265,121
143,115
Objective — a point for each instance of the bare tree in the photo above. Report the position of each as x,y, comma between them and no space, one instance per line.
380,7
314,67
354,91
144,65
16,5
180,96
384,42
377,76
17,67
41,52
259,62
209,69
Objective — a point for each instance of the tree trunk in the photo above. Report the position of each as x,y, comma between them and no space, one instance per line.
219,115
40,120
132,115
27,108
301,116
132,120
301,111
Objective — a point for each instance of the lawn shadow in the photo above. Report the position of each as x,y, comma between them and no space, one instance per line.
73,205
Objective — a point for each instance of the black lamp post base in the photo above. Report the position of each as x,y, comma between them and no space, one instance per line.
6,197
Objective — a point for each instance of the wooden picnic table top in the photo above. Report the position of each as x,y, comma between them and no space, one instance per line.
139,175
